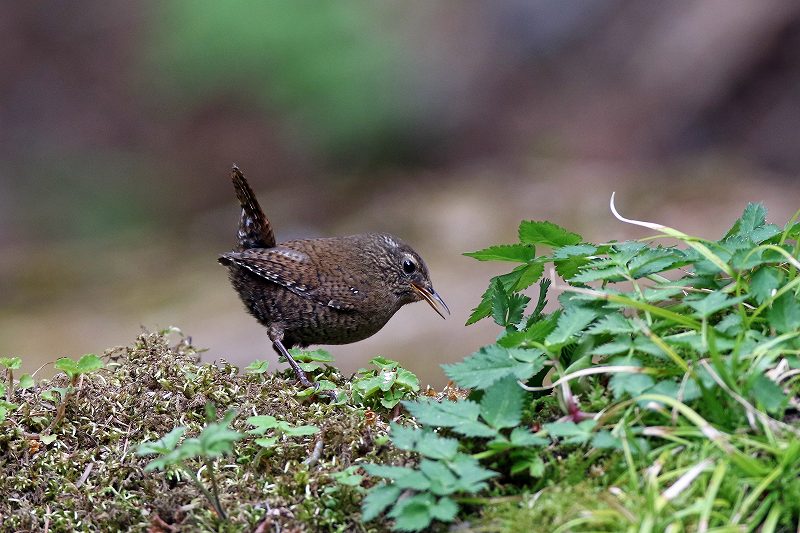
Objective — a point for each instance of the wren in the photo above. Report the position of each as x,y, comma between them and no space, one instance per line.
334,290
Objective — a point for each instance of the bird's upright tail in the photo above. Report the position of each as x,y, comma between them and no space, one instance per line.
255,230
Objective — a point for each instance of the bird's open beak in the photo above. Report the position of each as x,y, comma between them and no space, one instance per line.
433,299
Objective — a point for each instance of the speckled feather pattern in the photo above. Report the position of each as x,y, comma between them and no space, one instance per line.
318,291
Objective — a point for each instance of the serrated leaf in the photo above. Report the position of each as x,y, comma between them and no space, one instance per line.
612,324
629,383
519,253
521,437
461,416
165,444
424,441
445,510
706,306
412,514
501,405
754,216
609,273
784,313
377,500
533,333
768,394
404,477
533,232
571,432
492,363
471,475
764,281
571,322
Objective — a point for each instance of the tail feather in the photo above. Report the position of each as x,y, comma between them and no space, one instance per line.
255,230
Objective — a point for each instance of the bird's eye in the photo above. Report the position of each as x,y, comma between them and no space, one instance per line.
409,267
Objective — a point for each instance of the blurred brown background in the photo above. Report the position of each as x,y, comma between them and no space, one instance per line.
445,123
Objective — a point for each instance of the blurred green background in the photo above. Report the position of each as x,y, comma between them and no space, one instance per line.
443,122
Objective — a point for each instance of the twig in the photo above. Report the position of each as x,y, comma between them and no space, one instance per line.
316,453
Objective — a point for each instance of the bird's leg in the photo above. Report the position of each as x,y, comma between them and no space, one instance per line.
301,376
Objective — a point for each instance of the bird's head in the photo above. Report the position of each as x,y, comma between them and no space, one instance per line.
407,273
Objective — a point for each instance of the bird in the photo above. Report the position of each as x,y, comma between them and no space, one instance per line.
334,290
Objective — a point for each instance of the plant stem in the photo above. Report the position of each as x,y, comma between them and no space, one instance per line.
10,389
212,498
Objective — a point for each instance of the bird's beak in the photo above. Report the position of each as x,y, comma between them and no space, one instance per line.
433,299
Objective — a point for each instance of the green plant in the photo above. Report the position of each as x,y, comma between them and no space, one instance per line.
671,367
74,370
214,440
25,381
264,423
386,386
316,363
442,472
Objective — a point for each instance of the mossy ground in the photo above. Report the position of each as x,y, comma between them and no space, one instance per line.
90,477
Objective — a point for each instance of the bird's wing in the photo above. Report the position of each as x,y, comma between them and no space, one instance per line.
295,270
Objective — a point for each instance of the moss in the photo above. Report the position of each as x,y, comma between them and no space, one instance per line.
90,478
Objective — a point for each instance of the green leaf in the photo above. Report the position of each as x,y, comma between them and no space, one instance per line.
299,431
49,439
164,445
571,432
605,440
471,475
519,253
267,442
311,356
768,394
25,381
461,416
407,379
412,514
628,382
12,363
492,363
764,282
257,367
445,509
784,314
262,424
377,500
501,405
532,232
612,324
521,437
67,365
89,363
404,477
706,306
571,322
754,216
383,362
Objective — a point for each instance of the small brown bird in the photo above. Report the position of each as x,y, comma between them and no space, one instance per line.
321,291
